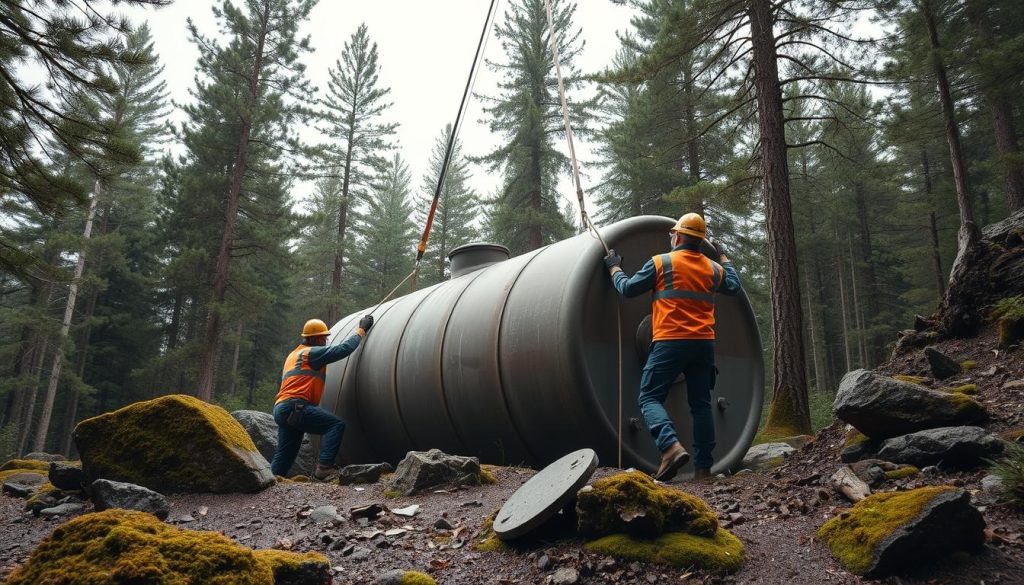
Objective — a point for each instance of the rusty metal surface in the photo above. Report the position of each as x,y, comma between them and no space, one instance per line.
516,363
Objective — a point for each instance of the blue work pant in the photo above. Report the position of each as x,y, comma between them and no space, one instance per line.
313,420
695,358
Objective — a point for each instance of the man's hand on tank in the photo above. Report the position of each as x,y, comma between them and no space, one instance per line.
612,261
366,322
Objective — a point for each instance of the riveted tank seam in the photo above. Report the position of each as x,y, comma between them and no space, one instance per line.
440,369
497,357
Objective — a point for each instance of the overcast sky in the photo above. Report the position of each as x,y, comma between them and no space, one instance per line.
425,51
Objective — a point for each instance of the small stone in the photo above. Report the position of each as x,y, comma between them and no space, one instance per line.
370,511
363,473
61,510
360,554
737,518
107,494
442,524
325,515
66,476
544,563
472,504
942,366
565,576
408,511
186,518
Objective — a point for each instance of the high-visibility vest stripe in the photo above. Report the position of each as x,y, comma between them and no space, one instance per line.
683,299
299,380
684,294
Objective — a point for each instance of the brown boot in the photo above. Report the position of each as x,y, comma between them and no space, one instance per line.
671,460
701,474
325,472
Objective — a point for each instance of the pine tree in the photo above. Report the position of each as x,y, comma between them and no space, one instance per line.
354,108
255,91
527,215
387,235
457,209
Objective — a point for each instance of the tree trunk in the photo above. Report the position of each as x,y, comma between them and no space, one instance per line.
234,359
33,391
940,282
855,300
71,412
842,307
814,342
39,444
969,234
789,413
696,203
334,311
211,341
875,344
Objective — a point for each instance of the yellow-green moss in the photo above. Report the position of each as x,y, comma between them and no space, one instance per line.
283,563
26,465
969,389
919,380
171,443
489,541
853,538
902,472
416,578
12,472
968,365
392,494
123,546
783,420
854,439
721,553
653,508
967,406
487,475
45,496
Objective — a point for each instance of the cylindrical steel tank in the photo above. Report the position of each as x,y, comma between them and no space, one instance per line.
516,363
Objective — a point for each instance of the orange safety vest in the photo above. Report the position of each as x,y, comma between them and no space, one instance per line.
299,380
684,303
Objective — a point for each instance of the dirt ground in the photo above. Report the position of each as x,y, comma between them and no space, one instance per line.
779,513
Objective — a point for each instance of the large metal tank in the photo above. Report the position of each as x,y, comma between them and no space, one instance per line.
516,363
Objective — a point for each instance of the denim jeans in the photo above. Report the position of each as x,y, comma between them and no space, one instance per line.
313,420
696,359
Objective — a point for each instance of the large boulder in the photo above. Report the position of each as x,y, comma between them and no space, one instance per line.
890,532
424,470
262,429
883,407
633,518
953,446
122,546
174,443
106,494
66,475
40,456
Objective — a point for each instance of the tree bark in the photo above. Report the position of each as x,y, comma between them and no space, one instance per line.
875,343
39,444
969,235
814,342
842,307
789,412
211,340
855,300
234,359
940,282
71,412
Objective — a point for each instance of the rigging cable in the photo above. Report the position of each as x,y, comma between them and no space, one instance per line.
583,210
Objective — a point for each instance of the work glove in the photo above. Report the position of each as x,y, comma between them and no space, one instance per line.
718,246
612,260
366,322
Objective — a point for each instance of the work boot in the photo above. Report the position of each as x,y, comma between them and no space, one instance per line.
701,474
671,460
326,472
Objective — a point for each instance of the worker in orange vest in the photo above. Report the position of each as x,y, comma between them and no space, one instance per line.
684,282
296,409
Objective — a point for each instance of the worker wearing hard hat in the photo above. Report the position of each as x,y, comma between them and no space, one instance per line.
296,408
684,282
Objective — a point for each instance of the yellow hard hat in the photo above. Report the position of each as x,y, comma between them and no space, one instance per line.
691,224
314,327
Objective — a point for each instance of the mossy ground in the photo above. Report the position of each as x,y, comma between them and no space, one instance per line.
632,503
852,537
785,419
178,434
967,406
417,578
919,380
487,476
127,547
11,472
968,389
855,438
1009,312
25,465
488,540
721,553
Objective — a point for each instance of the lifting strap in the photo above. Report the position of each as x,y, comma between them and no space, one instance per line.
470,81
583,210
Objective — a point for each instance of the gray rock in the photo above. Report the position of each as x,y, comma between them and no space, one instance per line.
37,456
306,572
360,554
859,451
325,514
565,576
107,494
871,471
23,485
423,470
66,476
953,446
942,366
544,563
262,430
363,473
393,577
765,454
62,510
991,490
992,482
883,407
948,523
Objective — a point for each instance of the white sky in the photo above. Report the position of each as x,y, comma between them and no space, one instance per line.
425,51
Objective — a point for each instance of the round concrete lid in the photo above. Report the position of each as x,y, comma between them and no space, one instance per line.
544,494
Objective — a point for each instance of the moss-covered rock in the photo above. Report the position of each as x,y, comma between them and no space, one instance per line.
902,472
1010,314
488,540
720,553
968,389
172,443
121,546
919,380
889,532
400,577
25,465
632,503
45,496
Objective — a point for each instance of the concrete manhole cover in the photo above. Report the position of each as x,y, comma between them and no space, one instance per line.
544,494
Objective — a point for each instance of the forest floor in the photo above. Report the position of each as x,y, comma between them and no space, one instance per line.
780,511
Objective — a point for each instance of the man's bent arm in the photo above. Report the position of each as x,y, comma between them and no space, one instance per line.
327,354
636,285
730,280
